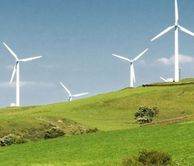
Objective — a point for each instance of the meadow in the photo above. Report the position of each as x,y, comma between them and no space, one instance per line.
113,114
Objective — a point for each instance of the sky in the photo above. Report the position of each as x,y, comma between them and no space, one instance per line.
77,39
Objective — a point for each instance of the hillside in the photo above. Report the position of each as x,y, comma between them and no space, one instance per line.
110,111
113,115
104,148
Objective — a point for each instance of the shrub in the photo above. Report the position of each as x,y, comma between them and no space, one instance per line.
11,139
154,158
54,132
93,130
146,114
148,158
76,130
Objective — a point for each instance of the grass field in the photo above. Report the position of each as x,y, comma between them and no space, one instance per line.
104,148
113,115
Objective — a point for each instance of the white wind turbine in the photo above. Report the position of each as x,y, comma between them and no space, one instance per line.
167,79
176,28
16,71
69,93
132,72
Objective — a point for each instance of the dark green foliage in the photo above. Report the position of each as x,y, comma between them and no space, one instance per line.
93,130
148,158
54,132
154,158
146,114
11,139
76,130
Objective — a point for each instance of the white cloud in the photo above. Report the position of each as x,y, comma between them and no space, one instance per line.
45,66
26,83
9,67
170,61
142,62
33,83
48,66
6,85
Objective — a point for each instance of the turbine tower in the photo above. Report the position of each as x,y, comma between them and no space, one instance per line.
16,71
176,28
132,71
69,93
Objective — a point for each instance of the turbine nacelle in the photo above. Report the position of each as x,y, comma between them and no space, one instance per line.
69,93
132,70
16,71
185,30
176,27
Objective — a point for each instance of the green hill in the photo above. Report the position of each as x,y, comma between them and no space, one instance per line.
113,115
104,148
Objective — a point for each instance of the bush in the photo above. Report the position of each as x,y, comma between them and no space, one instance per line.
146,114
93,130
148,158
154,158
76,130
11,139
54,132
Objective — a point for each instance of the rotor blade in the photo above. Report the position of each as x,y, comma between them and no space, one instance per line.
186,30
133,73
9,49
163,32
65,88
29,59
13,73
80,94
176,12
163,79
121,57
141,54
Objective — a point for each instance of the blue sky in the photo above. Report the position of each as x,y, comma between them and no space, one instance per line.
76,39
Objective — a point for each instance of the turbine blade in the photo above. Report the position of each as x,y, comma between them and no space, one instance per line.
186,30
133,73
121,57
163,79
141,54
29,59
13,73
66,88
80,94
163,32
11,51
176,12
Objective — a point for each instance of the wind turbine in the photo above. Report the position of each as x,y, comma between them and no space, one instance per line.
16,71
69,93
176,28
132,72
167,80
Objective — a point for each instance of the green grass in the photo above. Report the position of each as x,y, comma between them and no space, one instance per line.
113,115
186,81
110,111
104,148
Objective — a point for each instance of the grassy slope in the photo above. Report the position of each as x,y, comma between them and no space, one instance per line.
109,112
104,148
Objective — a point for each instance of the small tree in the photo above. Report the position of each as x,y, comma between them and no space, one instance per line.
54,132
148,158
146,114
